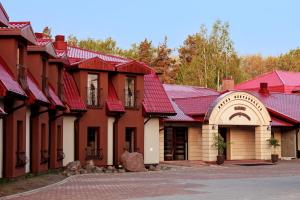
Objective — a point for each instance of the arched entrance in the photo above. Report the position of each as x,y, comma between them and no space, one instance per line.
243,121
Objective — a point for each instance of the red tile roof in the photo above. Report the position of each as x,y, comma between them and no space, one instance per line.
76,52
279,122
72,96
195,105
183,91
35,94
93,63
54,99
156,100
22,29
134,67
278,81
284,105
113,103
8,81
180,115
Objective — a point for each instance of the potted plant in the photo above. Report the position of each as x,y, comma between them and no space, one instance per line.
273,142
220,145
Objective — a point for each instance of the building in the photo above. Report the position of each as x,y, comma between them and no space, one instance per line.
61,103
245,119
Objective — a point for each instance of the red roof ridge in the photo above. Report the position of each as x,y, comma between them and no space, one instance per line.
279,76
97,52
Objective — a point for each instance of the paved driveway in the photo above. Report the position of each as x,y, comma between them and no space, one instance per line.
280,181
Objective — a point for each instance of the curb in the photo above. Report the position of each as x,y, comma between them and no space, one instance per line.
37,189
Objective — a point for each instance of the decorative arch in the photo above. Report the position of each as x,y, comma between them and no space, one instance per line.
238,108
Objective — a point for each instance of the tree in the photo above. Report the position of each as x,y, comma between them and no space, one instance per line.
146,52
164,64
206,58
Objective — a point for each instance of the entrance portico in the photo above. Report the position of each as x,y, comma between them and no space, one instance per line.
248,127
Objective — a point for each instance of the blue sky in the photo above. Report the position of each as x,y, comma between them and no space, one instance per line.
268,27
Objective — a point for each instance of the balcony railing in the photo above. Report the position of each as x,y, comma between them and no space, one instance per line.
21,159
22,76
93,154
44,156
94,99
131,98
60,154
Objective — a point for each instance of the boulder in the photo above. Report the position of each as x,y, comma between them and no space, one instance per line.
82,171
89,166
133,162
73,166
152,168
98,170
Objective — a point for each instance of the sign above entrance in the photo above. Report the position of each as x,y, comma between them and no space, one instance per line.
238,108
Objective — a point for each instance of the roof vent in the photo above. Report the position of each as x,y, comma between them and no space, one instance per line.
264,88
60,43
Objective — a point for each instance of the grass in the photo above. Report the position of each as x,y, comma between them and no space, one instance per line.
29,182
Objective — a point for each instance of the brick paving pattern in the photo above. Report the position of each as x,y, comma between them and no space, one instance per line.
177,181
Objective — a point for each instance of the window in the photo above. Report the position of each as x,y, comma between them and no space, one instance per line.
130,140
93,150
92,90
130,94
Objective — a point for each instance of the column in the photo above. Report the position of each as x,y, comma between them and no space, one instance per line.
209,153
262,147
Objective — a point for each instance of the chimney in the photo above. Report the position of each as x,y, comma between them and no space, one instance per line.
227,84
264,88
60,43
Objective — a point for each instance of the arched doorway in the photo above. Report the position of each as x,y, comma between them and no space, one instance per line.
243,121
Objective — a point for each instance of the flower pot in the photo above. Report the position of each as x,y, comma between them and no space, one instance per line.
220,159
274,158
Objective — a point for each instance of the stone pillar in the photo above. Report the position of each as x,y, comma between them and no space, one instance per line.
262,148
209,153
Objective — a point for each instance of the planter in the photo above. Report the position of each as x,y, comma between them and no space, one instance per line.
220,159
274,158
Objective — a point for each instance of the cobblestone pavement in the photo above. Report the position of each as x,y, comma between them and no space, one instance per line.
281,181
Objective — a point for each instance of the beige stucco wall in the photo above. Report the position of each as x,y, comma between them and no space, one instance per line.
110,133
195,143
161,145
288,143
151,141
1,148
68,139
242,143
28,113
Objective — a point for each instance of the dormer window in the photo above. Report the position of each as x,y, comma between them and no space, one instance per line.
130,92
93,90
